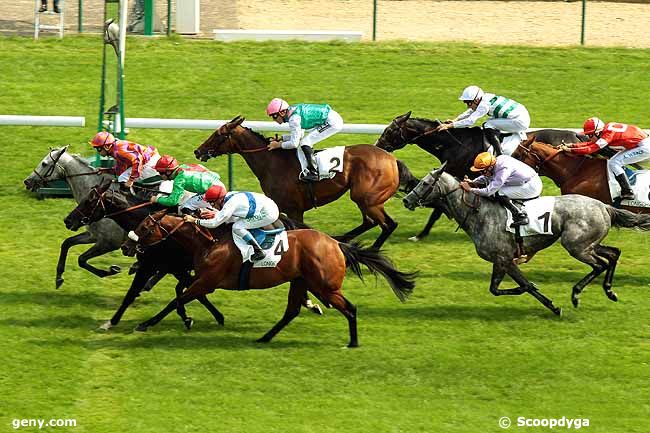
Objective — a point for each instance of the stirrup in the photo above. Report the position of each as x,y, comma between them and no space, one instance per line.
258,255
308,176
627,195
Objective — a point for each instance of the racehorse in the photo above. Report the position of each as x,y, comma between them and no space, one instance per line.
581,223
313,262
105,234
371,175
165,258
573,174
457,146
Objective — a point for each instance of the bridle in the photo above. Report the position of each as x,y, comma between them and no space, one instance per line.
424,133
85,219
528,152
224,131
44,178
167,233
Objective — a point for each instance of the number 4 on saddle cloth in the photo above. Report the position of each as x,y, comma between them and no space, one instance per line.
274,242
329,161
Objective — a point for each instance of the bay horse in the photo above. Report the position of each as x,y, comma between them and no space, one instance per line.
457,147
128,211
580,223
104,234
573,174
314,262
369,173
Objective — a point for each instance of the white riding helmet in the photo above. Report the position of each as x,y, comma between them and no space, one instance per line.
471,93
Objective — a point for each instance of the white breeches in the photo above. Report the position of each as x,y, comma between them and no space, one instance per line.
531,189
629,156
519,122
261,218
148,170
332,125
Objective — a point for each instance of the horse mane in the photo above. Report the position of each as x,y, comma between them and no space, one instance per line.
81,159
257,134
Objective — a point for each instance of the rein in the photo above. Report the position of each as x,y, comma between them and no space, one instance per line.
129,209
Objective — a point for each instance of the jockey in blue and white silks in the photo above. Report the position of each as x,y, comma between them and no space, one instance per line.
506,115
505,178
246,210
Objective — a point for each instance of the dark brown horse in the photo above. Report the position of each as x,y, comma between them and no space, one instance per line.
573,174
313,262
371,175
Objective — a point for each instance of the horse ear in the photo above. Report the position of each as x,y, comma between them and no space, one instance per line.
240,120
407,116
234,119
65,148
443,166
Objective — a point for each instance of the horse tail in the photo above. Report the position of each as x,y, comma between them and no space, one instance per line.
406,179
355,255
625,218
291,224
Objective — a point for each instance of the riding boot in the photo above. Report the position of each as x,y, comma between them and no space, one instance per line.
312,172
492,138
258,252
519,218
626,189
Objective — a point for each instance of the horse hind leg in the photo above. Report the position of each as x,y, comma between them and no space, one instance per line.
611,254
297,292
366,225
598,265
377,214
349,310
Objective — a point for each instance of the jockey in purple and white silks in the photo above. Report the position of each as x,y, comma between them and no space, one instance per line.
308,124
246,210
505,178
506,115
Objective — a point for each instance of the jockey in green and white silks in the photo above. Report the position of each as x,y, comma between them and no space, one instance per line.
308,124
506,115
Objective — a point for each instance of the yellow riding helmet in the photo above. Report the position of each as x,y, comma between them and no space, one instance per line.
483,160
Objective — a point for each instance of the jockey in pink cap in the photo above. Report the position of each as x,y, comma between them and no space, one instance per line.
308,124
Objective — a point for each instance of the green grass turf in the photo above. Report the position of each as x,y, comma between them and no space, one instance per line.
452,359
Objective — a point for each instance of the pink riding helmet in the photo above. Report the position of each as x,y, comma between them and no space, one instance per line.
276,105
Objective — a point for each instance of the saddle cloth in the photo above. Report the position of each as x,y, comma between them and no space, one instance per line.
540,212
274,243
640,183
329,161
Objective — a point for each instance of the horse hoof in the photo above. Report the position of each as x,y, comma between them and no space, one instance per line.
414,239
114,269
612,296
316,309
141,327
105,326
558,312
188,323
263,340
59,282
353,345
575,301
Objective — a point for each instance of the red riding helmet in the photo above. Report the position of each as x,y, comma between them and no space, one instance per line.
214,193
593,125
166,163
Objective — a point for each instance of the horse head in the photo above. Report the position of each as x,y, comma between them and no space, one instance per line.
94,206
220,142
154,229
534,153
395,136
425,191
47,170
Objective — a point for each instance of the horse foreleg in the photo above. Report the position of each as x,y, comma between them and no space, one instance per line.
349,310
297,292
81,238
498,272
198,288
141,277
96,251
212,309
527,286
180,307
435,216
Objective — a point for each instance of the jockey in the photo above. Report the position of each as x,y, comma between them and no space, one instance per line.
132,160
632,144
318,121
246,210
506,115
506,178
187,177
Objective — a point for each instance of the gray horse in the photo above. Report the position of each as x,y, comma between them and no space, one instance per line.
105,234
581,223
